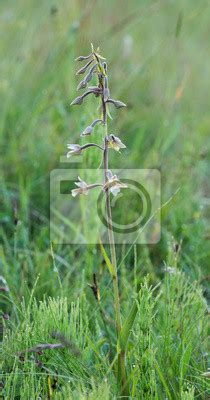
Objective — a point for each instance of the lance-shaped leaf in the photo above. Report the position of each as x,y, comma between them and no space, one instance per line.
99,56
117,103
107,260
137,306
96,52
88,130
84,69
162,379
127,326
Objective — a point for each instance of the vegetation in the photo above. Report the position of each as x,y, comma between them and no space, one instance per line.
55,335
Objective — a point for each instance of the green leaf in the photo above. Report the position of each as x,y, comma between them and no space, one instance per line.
106,259
184,362
162,380
127,326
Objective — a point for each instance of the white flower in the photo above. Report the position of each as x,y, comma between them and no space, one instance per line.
113,184
82,188
115,143
75,149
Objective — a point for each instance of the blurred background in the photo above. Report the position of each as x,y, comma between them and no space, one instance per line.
158,59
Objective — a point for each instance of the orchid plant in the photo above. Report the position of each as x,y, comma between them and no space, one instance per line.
96,66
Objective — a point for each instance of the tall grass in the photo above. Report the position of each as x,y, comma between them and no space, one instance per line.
165,353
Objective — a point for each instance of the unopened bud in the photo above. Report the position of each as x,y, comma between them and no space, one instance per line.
87,131
78,101
83,69
83,58
82,85
117,103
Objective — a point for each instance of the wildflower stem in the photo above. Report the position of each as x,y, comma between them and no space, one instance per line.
91,145
121,356
111,185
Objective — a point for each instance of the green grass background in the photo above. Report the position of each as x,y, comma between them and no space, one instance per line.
158,57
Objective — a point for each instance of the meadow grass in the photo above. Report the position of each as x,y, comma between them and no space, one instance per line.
158,60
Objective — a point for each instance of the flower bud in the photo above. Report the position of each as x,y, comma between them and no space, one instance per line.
87,131
82,85
117,103
87,78
90,73
83,58
77,102
83,69
105,66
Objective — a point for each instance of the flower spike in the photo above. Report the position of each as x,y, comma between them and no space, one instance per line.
97,66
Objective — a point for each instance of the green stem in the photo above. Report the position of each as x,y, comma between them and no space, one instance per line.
111,243
121,356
